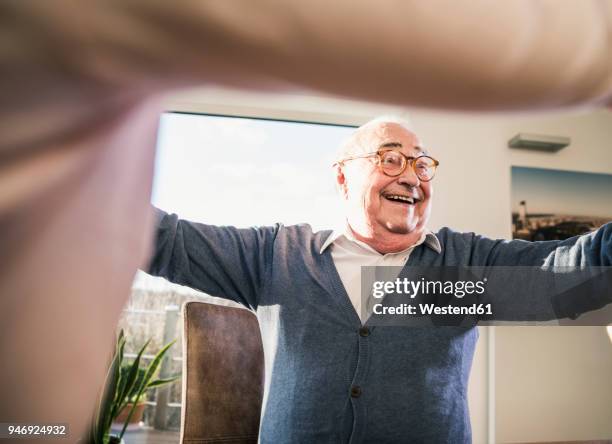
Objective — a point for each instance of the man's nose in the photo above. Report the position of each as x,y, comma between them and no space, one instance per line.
409,177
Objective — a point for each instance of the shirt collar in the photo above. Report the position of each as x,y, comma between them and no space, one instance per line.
430,240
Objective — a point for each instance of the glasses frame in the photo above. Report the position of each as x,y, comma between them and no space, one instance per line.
408,160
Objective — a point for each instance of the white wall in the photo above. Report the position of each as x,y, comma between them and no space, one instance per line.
480,201
562,375
551,384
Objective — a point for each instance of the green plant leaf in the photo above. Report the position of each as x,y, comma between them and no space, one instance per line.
103,420
127,384
151,369
131,394
161,382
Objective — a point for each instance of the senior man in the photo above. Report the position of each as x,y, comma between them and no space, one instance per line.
329,375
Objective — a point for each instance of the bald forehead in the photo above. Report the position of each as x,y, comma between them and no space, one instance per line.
393,135
385,135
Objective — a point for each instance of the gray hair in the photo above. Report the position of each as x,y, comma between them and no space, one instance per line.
356,144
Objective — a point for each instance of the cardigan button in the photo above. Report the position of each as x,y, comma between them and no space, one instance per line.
364,332
355,391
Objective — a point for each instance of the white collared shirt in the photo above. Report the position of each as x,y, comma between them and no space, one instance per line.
350,254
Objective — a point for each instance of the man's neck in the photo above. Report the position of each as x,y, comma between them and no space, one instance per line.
387,242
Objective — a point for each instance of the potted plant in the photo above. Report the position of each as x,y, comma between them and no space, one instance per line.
125,385
132,400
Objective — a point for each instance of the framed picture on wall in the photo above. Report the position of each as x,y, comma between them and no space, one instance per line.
554,204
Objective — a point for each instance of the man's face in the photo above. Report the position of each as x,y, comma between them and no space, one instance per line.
371,195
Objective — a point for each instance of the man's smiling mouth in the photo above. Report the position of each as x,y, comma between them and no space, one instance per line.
403,199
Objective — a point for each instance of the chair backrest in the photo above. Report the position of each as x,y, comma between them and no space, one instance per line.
223,374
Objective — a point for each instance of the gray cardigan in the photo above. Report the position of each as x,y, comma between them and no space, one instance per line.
327,379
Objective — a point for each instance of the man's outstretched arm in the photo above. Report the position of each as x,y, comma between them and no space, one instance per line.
554,279
222,261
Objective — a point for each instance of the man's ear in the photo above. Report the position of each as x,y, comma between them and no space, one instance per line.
341,180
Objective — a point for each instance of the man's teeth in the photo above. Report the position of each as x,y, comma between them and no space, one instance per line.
410,200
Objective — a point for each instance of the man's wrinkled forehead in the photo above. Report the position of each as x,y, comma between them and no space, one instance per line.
376,135
392,136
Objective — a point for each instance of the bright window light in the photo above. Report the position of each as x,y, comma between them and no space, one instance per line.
244,172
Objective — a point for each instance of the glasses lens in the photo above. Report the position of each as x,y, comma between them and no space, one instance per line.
392,163
425,168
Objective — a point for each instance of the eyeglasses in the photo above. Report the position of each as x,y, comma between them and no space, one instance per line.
393,163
